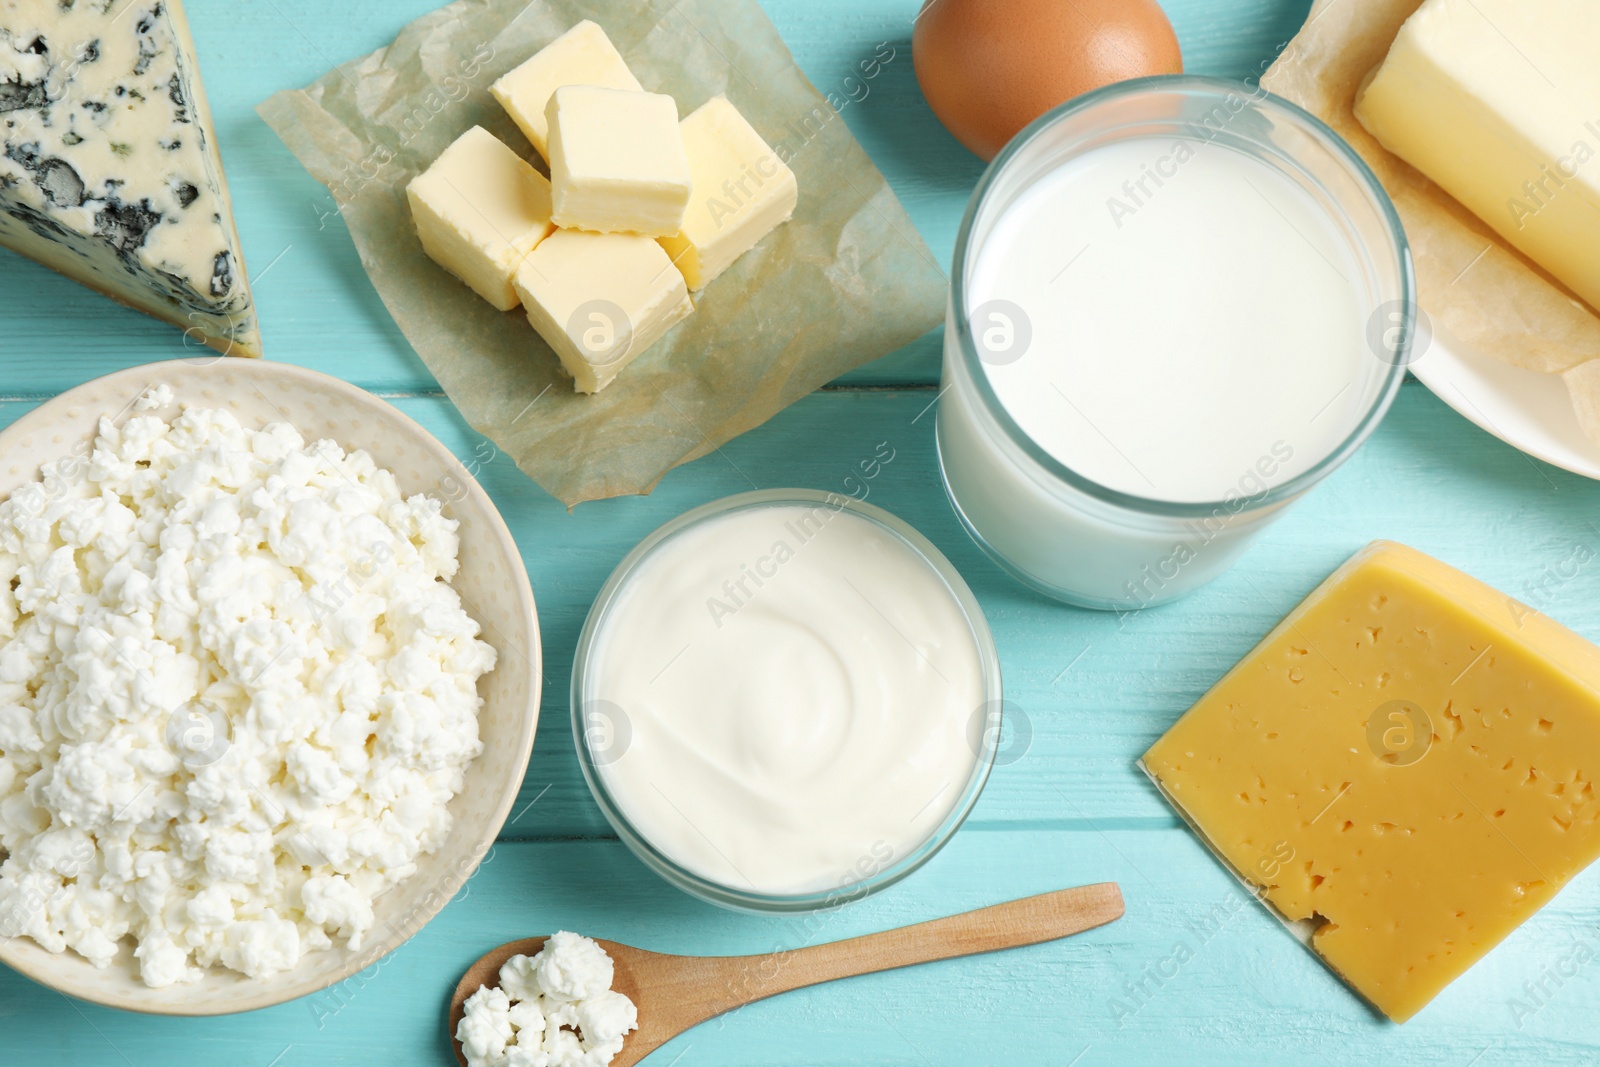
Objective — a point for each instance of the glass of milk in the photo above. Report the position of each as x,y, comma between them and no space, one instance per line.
1177,304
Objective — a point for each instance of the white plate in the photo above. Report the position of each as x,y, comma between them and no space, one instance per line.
1525,409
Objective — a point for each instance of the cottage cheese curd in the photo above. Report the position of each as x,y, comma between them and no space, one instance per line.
236,695
552,1009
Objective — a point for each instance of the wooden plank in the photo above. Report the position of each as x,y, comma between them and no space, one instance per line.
1095,688
317,307
1239,990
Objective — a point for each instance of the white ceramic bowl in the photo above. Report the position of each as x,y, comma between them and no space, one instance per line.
493,585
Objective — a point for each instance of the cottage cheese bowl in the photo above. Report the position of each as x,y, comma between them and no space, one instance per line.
786,700
427,523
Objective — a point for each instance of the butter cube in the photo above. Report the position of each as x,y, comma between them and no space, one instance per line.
584,55
616,161
1498,101
1405,767
479,210
741,192
600,300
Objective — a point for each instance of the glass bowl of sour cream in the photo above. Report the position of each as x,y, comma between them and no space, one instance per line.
786,700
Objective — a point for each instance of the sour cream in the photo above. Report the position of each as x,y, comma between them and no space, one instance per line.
787,697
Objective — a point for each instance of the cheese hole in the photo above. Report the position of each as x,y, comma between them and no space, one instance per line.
1499,813
1453,719
1545,726
1564,824
1347,827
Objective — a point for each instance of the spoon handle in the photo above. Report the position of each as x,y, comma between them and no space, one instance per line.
1028,921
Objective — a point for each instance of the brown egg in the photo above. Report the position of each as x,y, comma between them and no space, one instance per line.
990,67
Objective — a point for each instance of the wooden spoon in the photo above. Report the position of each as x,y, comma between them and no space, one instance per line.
674,993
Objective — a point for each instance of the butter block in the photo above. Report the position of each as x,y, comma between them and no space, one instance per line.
741,192
616,161
600,300
1406,764
584,55
1498,102
479,210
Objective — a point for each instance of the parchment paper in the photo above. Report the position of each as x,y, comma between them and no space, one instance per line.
1481,288
848,279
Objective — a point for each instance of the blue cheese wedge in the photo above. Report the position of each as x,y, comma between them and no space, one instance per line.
109,171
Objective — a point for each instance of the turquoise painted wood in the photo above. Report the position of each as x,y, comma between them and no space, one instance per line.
1066,808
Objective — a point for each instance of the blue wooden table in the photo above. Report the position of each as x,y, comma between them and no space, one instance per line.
1195,973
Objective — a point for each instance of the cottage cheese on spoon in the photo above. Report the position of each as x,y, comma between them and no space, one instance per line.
552,1009
236,695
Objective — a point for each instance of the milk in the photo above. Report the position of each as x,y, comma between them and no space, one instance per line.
1181,322
1183,328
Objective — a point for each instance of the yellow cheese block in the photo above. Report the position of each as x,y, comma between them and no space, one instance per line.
1406,762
